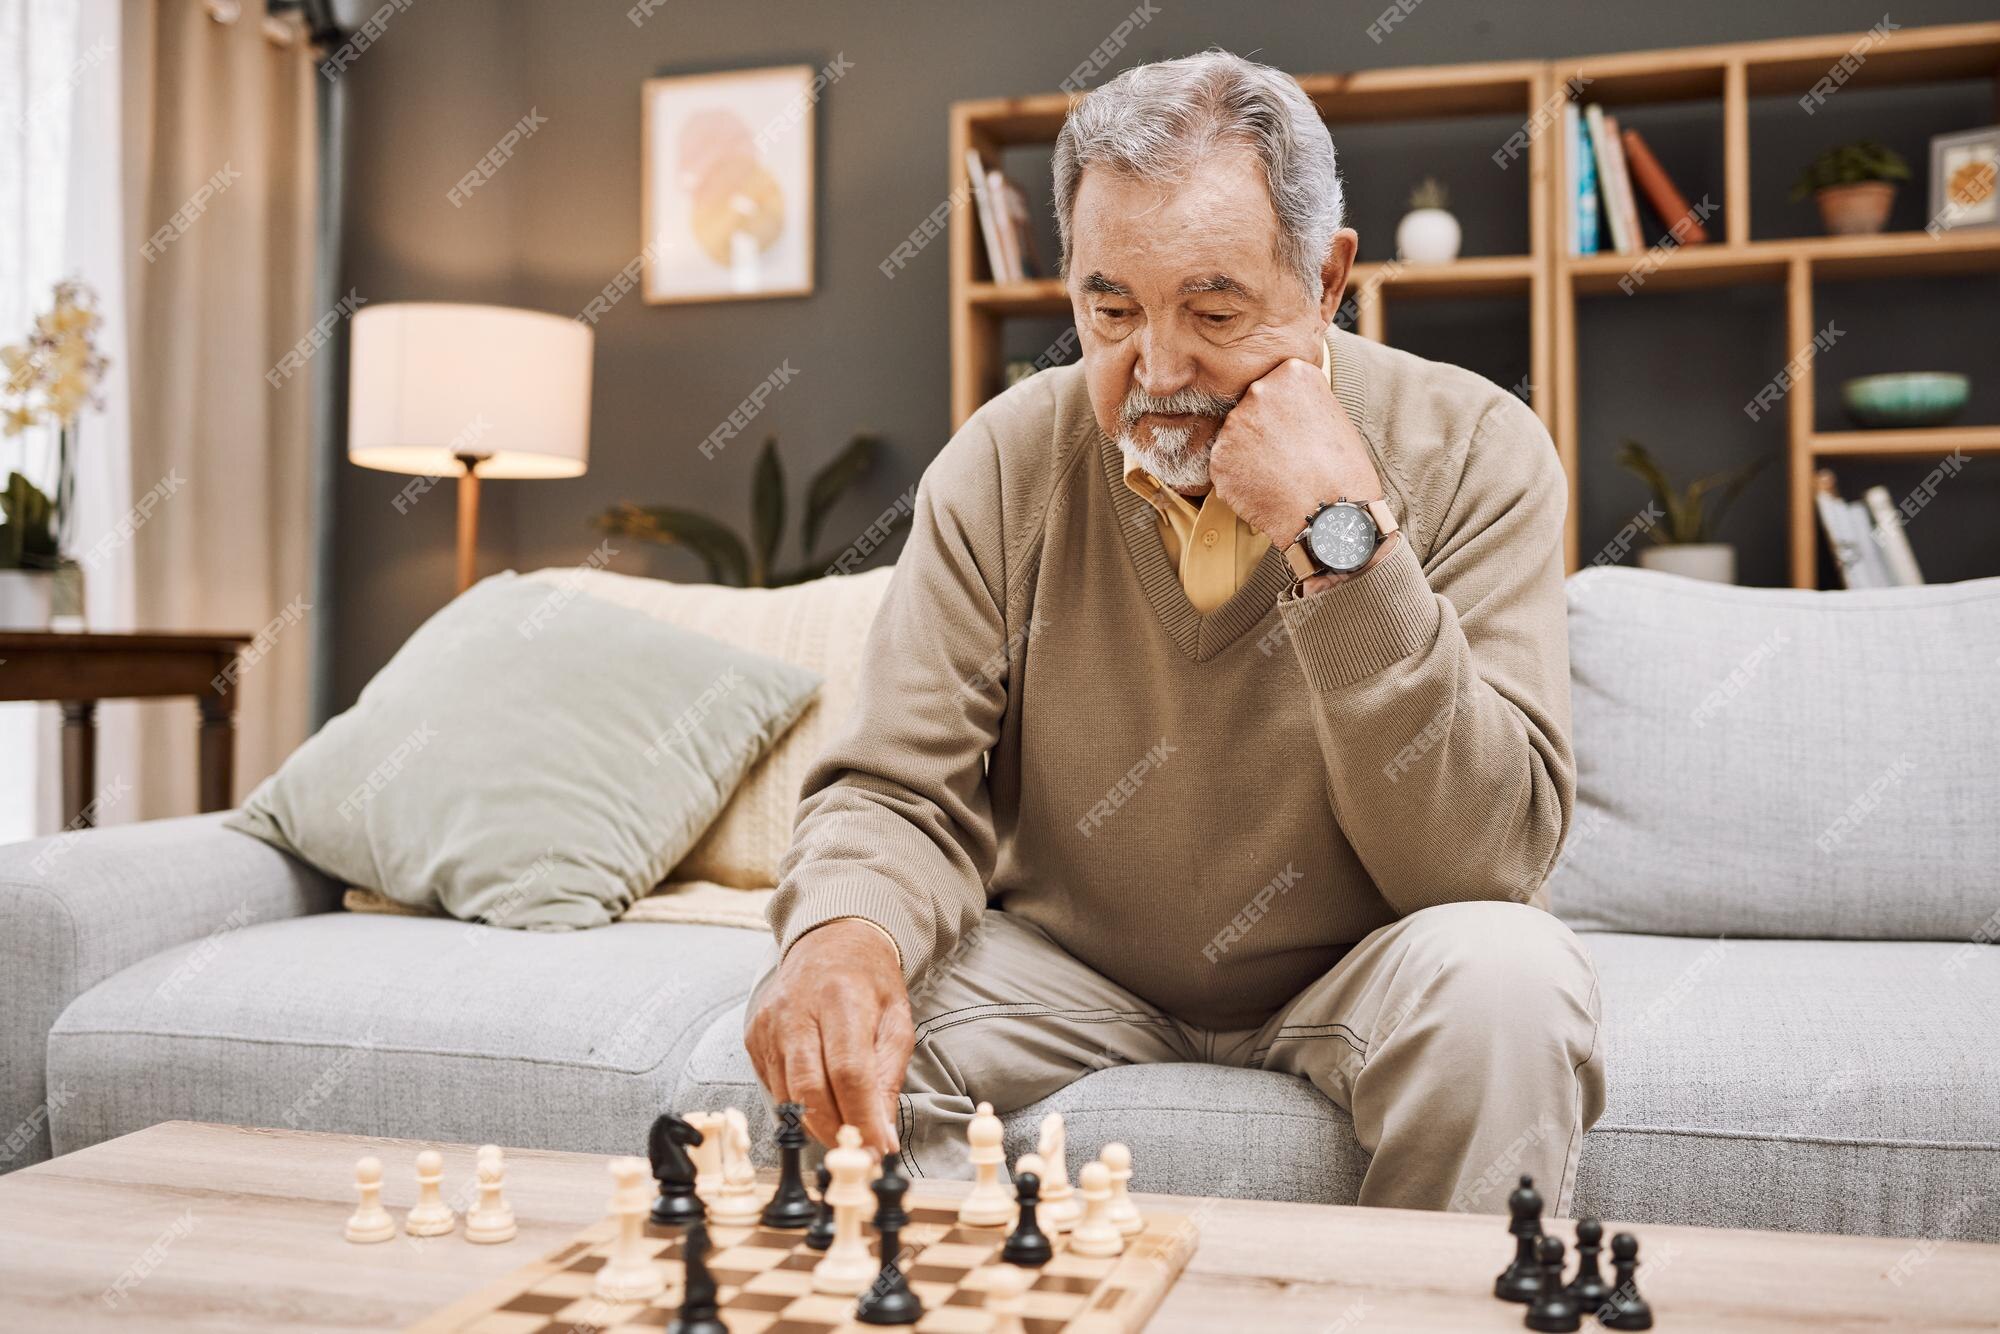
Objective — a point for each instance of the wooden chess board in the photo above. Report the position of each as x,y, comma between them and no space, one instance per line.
765,1282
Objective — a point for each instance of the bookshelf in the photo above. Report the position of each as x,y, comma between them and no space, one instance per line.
1552,281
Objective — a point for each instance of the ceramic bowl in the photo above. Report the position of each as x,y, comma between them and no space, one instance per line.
1910,398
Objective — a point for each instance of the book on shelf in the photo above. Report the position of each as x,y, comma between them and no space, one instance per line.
1003,224
989,215
1020,231
1889,535
1668,202
1581,171
1610,176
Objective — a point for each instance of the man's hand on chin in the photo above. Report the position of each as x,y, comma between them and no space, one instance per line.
1286,448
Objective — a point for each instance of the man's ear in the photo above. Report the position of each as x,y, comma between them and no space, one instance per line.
1333,272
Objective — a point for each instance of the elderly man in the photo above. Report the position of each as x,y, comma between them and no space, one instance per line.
1218,710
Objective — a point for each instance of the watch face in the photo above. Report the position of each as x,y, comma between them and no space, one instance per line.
1343,537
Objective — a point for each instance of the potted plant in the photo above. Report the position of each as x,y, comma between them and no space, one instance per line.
1854,185
1684,539
729,559
1428,234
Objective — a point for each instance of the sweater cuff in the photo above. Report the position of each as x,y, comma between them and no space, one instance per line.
1362,625
867,901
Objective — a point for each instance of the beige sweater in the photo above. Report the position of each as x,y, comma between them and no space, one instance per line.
1205,809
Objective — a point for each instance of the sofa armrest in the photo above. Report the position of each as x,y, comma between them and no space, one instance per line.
80,906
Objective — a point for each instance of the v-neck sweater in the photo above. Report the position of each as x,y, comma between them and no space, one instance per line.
1206,809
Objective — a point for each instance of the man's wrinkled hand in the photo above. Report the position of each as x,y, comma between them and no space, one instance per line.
1286,447
832,1032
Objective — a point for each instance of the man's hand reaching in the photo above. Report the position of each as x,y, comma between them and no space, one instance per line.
832,1032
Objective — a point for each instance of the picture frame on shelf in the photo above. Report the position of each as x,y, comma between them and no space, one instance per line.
1965,179
726,193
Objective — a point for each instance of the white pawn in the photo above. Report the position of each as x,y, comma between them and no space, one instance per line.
735,1203
848,1268
989,1204
1124,1214
1096,1234
1060,1208
430,1216
1007,1296
492,1219
629,1274
370,1222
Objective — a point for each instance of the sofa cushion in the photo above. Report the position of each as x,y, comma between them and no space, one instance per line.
424,1028
821,626
532,757
1818,1086
1773,762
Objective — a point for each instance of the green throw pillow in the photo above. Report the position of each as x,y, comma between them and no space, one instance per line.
532,757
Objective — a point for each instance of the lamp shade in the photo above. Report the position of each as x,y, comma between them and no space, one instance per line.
429,382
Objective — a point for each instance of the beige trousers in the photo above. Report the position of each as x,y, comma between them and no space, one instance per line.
1462,1040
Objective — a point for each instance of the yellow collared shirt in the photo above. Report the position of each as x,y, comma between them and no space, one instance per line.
1214,550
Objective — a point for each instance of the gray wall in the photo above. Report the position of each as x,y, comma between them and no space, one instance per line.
447,77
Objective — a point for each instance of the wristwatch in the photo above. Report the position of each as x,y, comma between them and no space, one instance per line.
1340,537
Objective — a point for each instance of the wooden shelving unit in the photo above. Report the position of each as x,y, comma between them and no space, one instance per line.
1551,280
1735,74
979,307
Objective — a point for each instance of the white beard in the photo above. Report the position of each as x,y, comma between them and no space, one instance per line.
1168,457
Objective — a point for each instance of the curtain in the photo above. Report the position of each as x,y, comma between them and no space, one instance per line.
221,187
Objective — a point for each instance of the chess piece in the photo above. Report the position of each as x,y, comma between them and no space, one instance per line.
1007,1298
370,1221
989,1204
1521,1281
1588,1287
819,1236
430,1216
1627,1309
1553,1311
735,1200
1060,1207
706,1151
700,1313
1095,1234
629,1274
1028,1245
790,1206
667,1147
492,1219
889,1300
1124,1214
848,1267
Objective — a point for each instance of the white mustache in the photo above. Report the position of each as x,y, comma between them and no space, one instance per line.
1182,402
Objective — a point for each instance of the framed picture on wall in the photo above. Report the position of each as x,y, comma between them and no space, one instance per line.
727,184
1965,179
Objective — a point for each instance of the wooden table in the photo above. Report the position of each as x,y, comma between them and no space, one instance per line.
199,1227
78,670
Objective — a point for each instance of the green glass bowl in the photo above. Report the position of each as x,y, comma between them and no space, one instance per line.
1909,398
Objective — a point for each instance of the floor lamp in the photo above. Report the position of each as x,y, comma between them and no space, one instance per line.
437,390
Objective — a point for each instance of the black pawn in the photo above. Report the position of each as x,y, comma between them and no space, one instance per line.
1553,1311
820,1235
1588,1287
699,1313
1627,1309
1028,1246
791,1207
1521,1281
889,1300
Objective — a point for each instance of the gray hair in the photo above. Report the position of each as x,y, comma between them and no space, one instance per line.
1157,122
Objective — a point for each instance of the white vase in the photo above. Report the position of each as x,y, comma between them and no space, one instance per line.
1427,236
1713,561
26,599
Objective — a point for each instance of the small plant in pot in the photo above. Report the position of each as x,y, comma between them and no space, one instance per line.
1684,532
1428,233
45,381
1854,186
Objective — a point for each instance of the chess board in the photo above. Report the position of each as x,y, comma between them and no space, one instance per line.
765,1282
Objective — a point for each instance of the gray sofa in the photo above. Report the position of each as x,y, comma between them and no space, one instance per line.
1783,861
